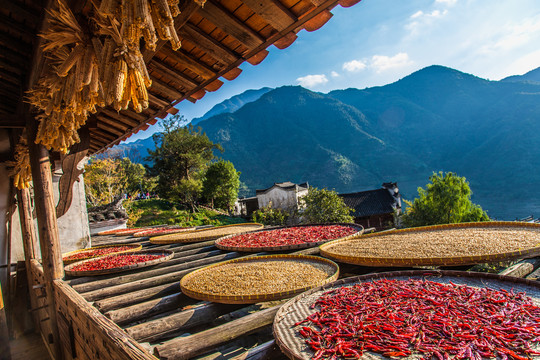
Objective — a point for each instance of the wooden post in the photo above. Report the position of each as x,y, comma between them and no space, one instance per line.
28,232
5,353
51,254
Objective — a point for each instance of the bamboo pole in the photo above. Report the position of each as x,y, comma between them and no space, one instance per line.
151,331
29,243
135,297
147,308
204,341
51,253
522,268
11,209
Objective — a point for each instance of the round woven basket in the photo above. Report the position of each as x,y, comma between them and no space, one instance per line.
165,255
255,296
132,247
159,232
359,228
297,309
205,234
329,249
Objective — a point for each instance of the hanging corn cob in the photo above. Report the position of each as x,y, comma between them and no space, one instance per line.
145,18
71,89
21,172
123,72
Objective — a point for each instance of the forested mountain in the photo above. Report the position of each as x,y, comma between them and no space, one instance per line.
351,140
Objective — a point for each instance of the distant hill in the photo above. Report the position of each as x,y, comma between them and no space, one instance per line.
532,76
436,119
232,104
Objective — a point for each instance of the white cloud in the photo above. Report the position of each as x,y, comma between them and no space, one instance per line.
512,36
310,81
354,65
421,19
446,2
334,74
382,63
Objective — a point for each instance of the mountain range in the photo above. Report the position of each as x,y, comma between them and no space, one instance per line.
436,119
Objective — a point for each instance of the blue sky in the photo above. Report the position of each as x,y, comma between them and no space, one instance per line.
376,42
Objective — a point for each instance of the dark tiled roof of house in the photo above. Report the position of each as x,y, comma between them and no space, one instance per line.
285,186
368,203
111,211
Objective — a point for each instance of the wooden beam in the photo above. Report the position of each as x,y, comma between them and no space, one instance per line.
177,76
166,90
207,43
190,63
8,24
111,129
11,121
273,12
190,346
29,239
120,117
231,25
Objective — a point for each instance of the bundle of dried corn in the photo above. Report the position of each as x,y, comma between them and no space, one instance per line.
71,89
124,76
145,18
21,172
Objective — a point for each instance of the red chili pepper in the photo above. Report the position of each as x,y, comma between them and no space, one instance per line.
114,261
289,236
437,321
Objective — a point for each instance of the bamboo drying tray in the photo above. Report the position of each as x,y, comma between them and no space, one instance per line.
331,249
295,310
163,231
165,255
205,234
332,270
126,232
109,232
133,247
359,228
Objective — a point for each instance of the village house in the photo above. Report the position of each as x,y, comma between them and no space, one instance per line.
375,208
283,196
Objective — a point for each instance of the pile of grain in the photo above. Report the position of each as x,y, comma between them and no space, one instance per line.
259,277
458,242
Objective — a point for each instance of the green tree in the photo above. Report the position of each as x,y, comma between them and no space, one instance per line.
221,183
446,200
324,206
106,179
181,155
269,216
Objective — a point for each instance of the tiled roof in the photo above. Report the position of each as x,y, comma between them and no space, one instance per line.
285,186
372,202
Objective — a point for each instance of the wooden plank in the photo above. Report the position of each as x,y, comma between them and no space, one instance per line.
227,22
204,341
267,350
117,116
71,172
111,341
273,12
177,76
190,63
207,43
12,121
151,331
111,129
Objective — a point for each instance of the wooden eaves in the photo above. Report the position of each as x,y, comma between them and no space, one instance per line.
216,40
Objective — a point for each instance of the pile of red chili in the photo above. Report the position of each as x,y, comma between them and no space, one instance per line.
289,236
90,253
442,321
113,261
159,232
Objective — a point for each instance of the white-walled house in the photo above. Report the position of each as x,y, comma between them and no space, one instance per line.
283,195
